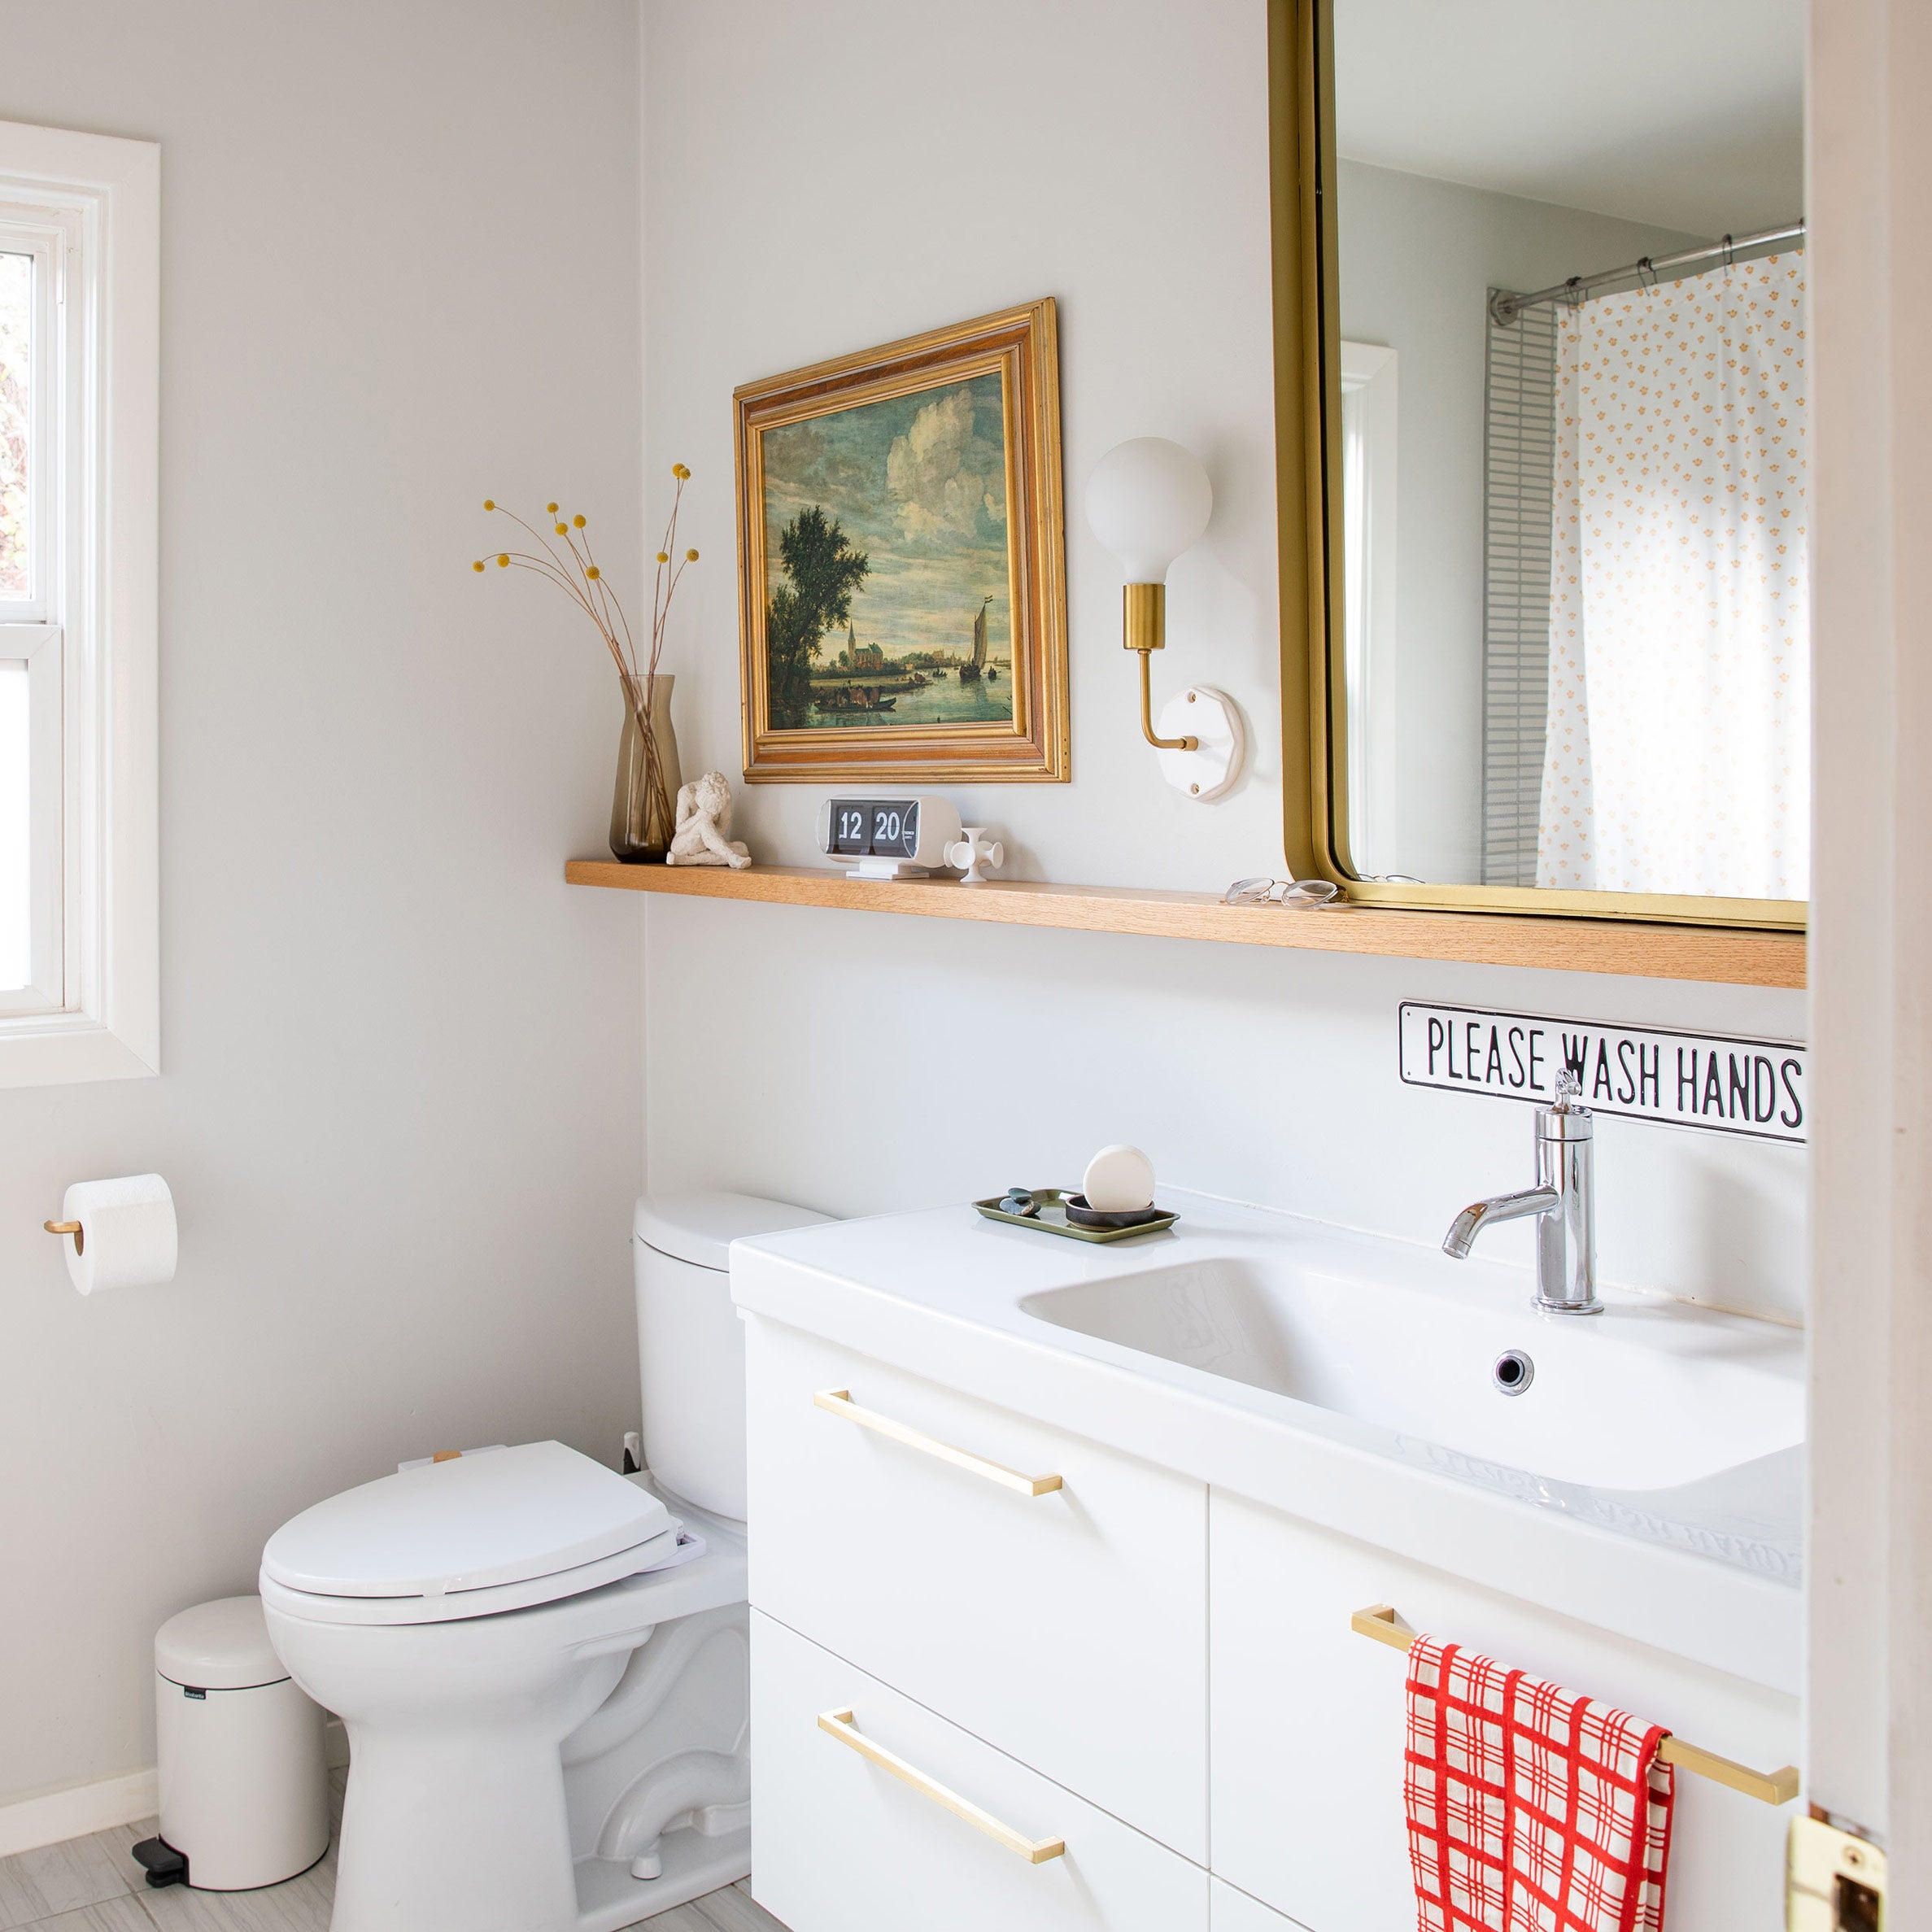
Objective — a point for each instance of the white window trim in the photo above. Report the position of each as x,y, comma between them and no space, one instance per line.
94,1012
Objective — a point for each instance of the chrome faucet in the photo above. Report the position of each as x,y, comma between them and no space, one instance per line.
1563,1202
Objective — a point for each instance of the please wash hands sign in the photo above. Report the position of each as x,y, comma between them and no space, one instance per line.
1752,1086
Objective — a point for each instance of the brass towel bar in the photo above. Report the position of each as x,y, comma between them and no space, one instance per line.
1771,1787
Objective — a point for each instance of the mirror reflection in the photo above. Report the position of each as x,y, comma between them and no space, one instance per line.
1574,647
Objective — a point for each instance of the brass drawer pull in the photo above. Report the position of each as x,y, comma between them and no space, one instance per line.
1379,1621
1035,1852
838,1402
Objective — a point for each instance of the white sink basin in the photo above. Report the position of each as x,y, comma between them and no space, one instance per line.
1348,1379
1652,1395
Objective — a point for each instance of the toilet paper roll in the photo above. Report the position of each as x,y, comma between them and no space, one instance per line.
127,1237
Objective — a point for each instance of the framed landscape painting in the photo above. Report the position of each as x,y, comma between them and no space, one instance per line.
902,562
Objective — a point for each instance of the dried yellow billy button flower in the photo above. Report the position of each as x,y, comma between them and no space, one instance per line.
572,570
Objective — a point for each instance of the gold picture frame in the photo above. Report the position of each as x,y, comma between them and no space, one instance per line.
912,491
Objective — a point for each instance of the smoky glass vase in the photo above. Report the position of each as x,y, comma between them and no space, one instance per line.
644,806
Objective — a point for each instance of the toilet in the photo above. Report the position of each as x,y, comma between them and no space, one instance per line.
542,1664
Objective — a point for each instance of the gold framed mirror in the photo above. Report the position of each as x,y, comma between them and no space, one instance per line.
1542,460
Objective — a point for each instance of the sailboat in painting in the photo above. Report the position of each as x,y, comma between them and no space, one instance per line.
970,671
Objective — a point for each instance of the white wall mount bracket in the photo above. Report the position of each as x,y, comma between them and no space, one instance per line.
1211,716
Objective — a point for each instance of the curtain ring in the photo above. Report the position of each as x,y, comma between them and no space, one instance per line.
1643,268
1731,254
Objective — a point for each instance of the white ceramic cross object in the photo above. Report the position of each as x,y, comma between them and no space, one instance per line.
972,850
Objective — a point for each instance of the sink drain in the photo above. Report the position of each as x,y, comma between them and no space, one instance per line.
1513,1372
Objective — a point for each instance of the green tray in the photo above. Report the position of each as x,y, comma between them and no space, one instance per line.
1052,1219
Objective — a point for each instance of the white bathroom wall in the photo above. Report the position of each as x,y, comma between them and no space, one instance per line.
821,179
1419,258
399,1105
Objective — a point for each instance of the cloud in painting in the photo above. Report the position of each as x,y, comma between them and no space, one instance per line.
943,477
811,464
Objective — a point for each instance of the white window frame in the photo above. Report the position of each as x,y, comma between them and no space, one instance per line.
89,205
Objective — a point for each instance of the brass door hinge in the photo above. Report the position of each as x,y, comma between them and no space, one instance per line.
1834,1881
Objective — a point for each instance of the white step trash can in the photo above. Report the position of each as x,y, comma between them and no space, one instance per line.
243,1767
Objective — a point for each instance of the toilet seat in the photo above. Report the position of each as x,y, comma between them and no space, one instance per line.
469,1537
660,1553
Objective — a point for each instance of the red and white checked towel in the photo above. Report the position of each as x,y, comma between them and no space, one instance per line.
1530,1810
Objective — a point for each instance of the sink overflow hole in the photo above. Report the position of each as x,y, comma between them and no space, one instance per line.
1513,1372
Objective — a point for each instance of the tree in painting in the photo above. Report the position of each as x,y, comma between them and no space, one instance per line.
824,570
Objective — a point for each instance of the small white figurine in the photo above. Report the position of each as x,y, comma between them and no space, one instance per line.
704,834
972,850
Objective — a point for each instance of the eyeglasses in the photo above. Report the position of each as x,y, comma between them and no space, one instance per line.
1299,895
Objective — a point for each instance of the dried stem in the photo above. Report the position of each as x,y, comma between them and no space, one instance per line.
575,571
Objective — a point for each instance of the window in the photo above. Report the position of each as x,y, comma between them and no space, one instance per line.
35,246
79,391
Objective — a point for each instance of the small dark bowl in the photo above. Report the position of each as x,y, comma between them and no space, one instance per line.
1083,1216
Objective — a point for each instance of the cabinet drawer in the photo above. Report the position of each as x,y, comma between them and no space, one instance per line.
841,1844
1067,1627
1308,1728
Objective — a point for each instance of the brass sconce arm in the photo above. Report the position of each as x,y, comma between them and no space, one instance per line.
1162,745
1144,628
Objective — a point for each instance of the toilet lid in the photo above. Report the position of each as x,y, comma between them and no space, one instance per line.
471,1522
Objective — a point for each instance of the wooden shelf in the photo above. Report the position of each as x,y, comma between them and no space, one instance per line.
1734,955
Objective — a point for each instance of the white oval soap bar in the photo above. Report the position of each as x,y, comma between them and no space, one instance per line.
1120,1181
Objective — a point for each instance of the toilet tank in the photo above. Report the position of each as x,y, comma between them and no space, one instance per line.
690,1342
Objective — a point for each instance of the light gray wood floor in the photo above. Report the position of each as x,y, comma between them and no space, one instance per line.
93,1885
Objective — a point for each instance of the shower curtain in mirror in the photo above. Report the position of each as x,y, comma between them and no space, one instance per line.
1679,690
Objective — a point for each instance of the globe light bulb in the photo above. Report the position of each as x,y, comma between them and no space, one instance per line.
1147,501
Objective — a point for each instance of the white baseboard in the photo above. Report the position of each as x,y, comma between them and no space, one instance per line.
74,1813
83,1808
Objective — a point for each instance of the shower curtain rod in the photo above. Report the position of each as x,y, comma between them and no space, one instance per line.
1504,307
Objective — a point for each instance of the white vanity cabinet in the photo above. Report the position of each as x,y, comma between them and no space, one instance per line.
1308,1728
1068,1628
1162,1675
1099,1518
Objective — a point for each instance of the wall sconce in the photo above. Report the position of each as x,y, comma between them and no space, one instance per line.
1147,501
